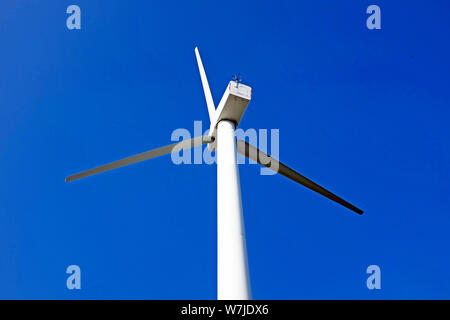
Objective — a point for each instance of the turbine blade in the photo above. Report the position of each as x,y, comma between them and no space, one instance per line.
206,90
257,155
186,144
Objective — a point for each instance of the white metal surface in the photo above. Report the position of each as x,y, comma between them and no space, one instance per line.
233,281
205,84
231,107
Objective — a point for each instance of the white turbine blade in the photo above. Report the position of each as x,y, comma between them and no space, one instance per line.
143,156
206,90
257,155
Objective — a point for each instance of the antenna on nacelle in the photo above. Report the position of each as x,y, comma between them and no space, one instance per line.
237,78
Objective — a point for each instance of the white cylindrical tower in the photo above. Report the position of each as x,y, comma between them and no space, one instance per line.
233,281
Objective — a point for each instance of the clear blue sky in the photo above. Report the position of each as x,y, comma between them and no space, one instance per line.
364,113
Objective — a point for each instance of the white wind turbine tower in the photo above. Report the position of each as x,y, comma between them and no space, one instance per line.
233,281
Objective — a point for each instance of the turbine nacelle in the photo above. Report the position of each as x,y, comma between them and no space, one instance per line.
232,106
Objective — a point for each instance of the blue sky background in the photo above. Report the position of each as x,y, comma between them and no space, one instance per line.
364,113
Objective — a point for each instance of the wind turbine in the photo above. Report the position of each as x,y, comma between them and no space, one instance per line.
233,281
